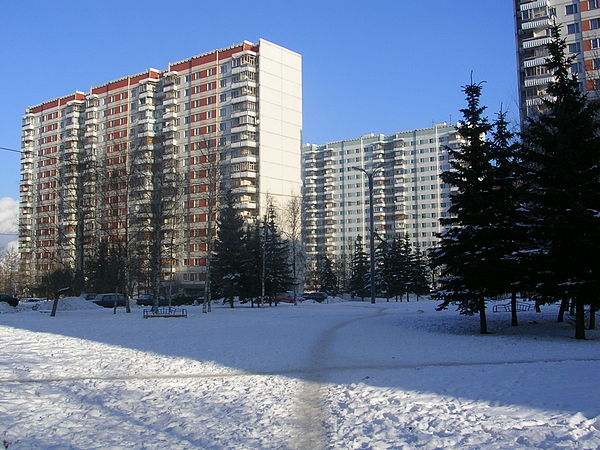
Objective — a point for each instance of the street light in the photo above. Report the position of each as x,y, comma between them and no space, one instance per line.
372,226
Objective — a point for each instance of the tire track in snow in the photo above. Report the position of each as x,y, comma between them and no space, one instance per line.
310,410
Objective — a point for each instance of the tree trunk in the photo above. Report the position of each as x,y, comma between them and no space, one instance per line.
564,304
54,306
482,317
579,318
592,323
408,296
537,307
573,309
513,309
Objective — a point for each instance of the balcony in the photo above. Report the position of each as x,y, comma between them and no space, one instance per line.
542,23
536,42
534,62
244,174
244,158
245,205
529,82
242,68
244,143
244,190
243,127
243,83
243,98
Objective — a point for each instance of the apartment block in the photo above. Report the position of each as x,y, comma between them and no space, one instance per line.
580,22
108,165
408,195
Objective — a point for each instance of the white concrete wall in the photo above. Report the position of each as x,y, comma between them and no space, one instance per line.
280,126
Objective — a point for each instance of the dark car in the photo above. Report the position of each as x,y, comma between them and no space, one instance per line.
147,300
12,301
316,296
182,299
108,300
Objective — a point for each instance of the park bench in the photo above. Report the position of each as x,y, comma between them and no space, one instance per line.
506,307
165,311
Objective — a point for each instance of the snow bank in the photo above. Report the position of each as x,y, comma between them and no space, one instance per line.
67,304
6,308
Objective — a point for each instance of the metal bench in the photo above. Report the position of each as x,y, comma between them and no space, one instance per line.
165,311
507,308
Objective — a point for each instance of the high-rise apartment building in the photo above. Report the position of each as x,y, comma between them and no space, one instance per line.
580,22
409,196
140,158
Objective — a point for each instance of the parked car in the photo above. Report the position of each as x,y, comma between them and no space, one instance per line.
317,296
88,295
147,300
108,300
32,300
182,299
12,301
289,298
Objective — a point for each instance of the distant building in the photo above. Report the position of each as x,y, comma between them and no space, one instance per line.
95,164
409,196
580,22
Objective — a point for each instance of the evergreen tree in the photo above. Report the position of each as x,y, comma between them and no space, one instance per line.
278,276
229,252
327,278
383,270
251,264
463,250
508,230
561,147
419,275
359,280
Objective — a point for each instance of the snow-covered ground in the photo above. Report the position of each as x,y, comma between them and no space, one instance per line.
340,375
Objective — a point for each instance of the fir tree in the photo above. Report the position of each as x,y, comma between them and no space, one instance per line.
359,281
229,252
327,278
563,184
251,264
463,249
419,275
278,277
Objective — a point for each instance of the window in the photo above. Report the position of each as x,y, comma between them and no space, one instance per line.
573,28
223,97
596,63
575,48
571,9
592,4
576,68
594,24
595,43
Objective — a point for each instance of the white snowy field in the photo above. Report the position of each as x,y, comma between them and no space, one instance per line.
343,375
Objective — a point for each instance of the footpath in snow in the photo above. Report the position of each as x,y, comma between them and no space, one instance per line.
342,375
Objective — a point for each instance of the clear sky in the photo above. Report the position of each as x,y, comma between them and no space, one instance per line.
368,66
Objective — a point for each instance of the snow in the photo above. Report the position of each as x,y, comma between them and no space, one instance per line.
336,375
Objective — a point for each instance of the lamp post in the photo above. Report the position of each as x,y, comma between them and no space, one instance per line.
372,226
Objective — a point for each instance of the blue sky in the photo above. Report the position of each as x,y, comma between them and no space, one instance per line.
376,66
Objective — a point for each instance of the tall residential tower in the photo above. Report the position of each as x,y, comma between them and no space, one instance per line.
409,196
145,153
580,22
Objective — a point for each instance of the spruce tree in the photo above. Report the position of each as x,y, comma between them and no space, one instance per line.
419,275
327,278
251,263
229,252
508,231
563,184
359,281
462,252
278,276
